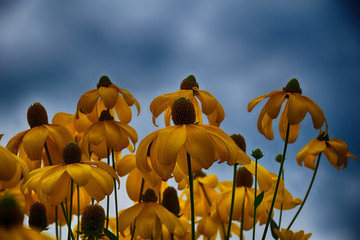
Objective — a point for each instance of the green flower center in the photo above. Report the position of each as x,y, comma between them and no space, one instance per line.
293,86
149,196
189,83
37,217
72,153
244,178
171,201
10,213
278,158
105,115
323,136
104,82
92,221
240,141
36,115
257,153
183,112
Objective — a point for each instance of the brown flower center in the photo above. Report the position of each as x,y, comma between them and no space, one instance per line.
244,178
92,221
37,217
189,83
104,82
240,141
149,196
183,112
171,201
105,115
323,136
199,174
36,115
72,153
293,86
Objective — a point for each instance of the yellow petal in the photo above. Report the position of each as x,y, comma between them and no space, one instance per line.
315,146
208,102
115,138
60,135
199,145
339,145
130,132
96,133
108,95
169,142
50,178
315,111
130,100
128,216
274,103
297,108
263,176
283,122
123,111
33,142
62,191
162,102
80,173
255,101
332,157
8,164
87,101
145,221
264,125
125,165
216,117
14,143
133,184
141,153
168,219
106,167
167,117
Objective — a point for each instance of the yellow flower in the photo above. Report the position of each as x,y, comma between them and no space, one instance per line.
108,134
294,112
106,96
189,89
52,183
148,217
12,169
40,132
335,150
210,228
290,235
76,126
204,143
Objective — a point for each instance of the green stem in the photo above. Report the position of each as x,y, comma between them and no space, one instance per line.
277,181
281,208
255,195
232,202
56,223
191,188
47,154
78,209
140,194
107,197
116,202
71,204
242,217
66,219
307,193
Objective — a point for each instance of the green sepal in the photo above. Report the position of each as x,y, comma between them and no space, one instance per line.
273,225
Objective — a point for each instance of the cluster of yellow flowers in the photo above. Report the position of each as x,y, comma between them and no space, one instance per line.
54,171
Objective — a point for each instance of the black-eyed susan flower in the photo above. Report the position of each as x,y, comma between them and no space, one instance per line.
40,134
294,111
148,217
335,150
107,96
285,234
204,143
92,222
52,183
108,134
189,89
210,228
12,169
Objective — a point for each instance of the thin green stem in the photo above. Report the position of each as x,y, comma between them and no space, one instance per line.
255,195
71,204
107,197
116,199
232,202
67,222
307,193
277,181
242,217
78,209
281,208
192,204
56,223
140,194
47,154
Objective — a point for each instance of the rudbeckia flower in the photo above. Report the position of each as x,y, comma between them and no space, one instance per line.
148,217
12,169
204,143
40,133
210,228
107,95
108,134
335,150
285,234
294,111
52,183
189,89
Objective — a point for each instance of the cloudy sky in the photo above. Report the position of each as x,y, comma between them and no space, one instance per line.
52,52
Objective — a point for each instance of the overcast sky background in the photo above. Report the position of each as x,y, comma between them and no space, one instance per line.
52,52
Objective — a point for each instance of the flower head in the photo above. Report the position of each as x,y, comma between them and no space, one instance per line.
335,150
285,234
294,111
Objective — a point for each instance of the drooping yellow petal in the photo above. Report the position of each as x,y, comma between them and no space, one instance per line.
274,103
96,133
123,111
60,135
130,132
169,142
106,167
199,145
14,143
255,101
94,190
315,111
283,122
125,165
145,221
129,215
51,178
133,184
208,102
160,103
87,101
62,191
80,173
116,139
141,153
109,96
164,171
168,219
167,117
216,117
8,164
316,146
264,124
339,145
264,178
130,100
297,108
33,142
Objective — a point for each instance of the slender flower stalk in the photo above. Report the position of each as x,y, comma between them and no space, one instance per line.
277,181
281,208
307,193
255,195
71,205
108,197
192,204
116,202
232,202
78,209
242,218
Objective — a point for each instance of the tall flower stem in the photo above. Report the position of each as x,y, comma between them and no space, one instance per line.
116,202
140,194
107,197
48,154
255,195
232,202
242,217
307,193
56,223
277,181
192,204
78,209
281,208
71,205
67,222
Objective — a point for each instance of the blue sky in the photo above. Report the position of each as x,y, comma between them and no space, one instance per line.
54,52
